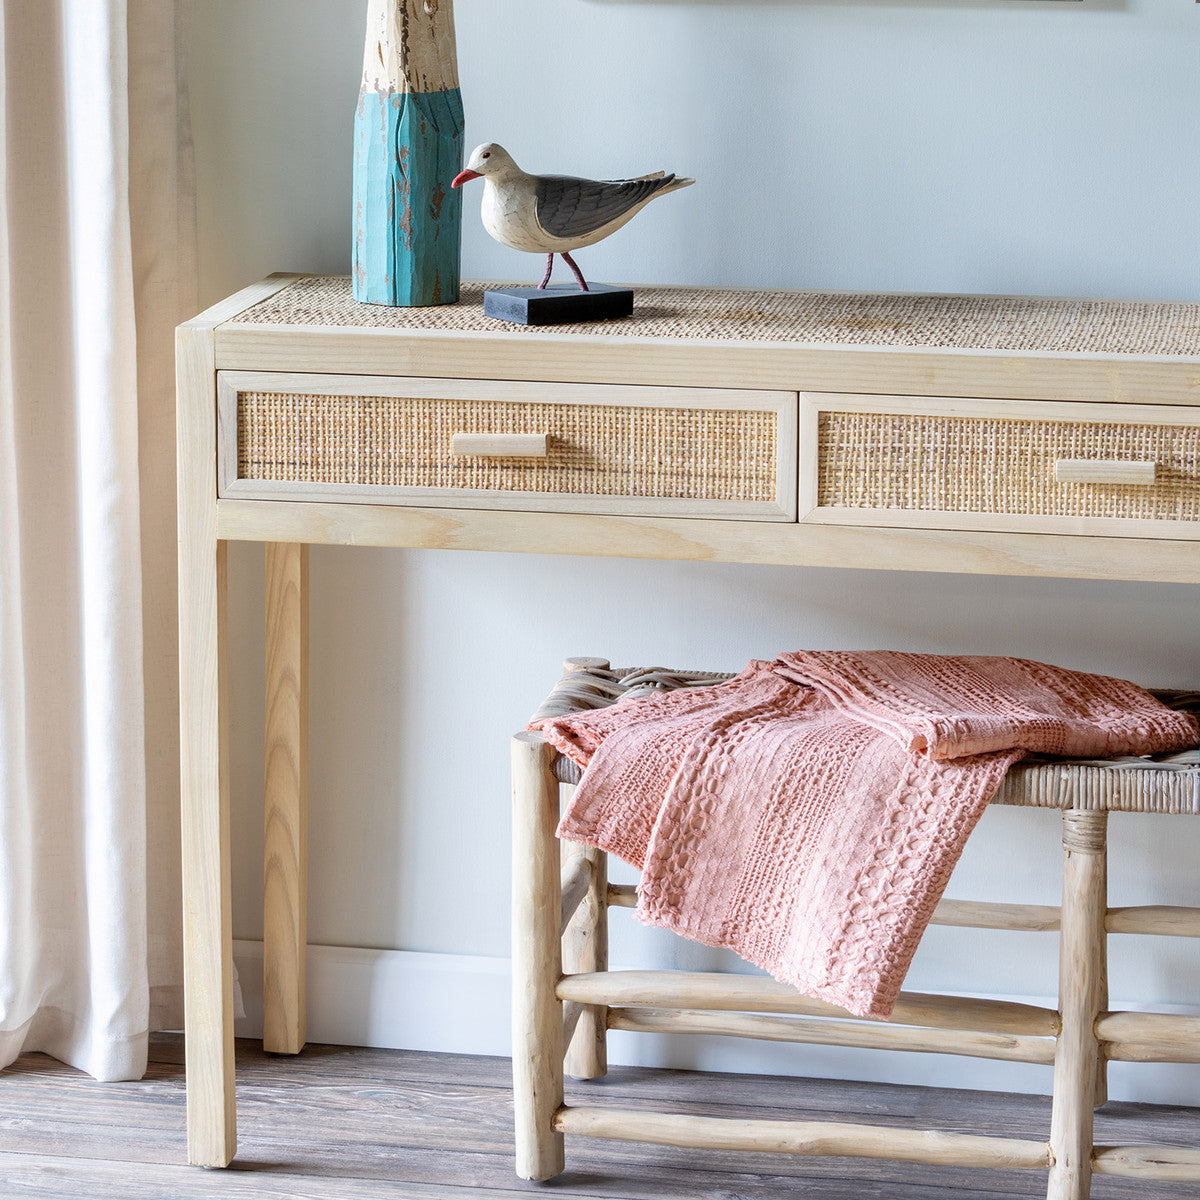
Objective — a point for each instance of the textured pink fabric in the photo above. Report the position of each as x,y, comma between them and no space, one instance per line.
807,814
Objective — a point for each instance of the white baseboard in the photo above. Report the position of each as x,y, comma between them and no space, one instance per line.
402,999
394,999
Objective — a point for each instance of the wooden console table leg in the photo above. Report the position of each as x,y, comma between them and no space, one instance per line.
1081,981
204,773
285,850
537,1050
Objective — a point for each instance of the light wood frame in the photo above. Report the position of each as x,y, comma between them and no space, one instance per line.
1077,1039
211,344
781,404
813,512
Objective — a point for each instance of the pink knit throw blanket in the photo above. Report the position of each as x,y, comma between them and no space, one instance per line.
807,813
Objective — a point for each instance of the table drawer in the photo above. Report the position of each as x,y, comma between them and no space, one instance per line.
538,446
1027,466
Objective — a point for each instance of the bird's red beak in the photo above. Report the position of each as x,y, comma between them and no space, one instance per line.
464,177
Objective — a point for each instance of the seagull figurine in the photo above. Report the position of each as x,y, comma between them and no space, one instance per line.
555,214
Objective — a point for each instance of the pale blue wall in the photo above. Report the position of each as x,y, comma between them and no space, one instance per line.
1011,146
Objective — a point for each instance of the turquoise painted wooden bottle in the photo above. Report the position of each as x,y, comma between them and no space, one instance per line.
408,146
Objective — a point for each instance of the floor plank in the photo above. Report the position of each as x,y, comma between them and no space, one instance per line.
340,1122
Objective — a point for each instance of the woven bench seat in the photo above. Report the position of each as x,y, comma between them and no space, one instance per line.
565,998
1165,783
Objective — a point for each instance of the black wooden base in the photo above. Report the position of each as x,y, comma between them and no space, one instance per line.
558,304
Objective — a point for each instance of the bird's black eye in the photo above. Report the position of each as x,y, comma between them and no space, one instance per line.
487,155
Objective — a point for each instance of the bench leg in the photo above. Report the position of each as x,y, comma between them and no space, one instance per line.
1100,1096
585,948
536,960
1081,985
585,945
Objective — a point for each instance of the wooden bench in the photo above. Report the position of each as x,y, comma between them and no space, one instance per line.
565,999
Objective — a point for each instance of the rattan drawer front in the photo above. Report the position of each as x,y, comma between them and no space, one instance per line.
1018,466
534,446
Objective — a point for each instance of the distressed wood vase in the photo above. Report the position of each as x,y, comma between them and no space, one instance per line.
408,146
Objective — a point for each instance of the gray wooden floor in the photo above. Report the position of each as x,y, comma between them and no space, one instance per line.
339,1123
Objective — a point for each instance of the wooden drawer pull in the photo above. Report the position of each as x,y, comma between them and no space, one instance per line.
501,445
1098,470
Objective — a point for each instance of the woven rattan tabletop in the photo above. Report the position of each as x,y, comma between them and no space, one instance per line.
1003,323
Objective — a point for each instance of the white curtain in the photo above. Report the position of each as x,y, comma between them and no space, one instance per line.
93,275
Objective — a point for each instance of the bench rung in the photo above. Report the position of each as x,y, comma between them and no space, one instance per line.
973,914
753,993
983,914
1171,1164
1164,920
824,1031
1150,1037
803,1137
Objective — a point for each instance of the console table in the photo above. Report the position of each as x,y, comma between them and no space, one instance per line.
992,435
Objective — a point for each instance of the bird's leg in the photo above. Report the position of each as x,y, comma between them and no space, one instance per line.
549,269
583,287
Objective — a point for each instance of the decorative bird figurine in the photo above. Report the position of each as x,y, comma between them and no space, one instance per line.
555,214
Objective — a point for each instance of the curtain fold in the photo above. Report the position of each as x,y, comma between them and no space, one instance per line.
87,495
163,228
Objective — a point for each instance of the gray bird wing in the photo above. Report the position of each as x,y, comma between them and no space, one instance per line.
569,208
